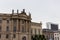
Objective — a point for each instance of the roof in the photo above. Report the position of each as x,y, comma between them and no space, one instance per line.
35,24
49,30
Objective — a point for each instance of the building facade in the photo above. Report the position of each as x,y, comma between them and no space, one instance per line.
16,26
57,36
51,34
52,26
36,28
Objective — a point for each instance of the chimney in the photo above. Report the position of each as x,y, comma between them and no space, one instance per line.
12,11
40,23
29,14
23,10
17,11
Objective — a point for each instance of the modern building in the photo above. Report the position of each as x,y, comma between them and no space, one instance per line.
36,28
52,26
16,26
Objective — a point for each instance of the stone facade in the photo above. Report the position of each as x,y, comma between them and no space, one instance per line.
51,34
36,28
16,26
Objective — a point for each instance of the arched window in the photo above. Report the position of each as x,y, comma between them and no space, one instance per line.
24,38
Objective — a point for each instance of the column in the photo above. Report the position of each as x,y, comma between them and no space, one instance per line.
11,34
26,26
29,27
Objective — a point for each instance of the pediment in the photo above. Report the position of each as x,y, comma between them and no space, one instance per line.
23,16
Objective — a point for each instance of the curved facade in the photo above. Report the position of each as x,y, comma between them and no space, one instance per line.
15,26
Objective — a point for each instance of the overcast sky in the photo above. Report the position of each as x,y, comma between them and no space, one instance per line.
41,10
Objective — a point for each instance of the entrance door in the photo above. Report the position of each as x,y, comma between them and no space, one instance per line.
24,38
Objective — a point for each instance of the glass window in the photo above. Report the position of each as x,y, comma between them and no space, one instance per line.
23,21
58,38
7,21
14,36
22,28
35,31
31,31
7,36
0,21
15,21
7,28
14,29
0,35
39,31
0,28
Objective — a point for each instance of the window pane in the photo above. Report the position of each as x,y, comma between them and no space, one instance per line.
14,36
39,31
35,31
23,29
14,29
0,28
0,21
0,35
31,31
7,36
7,21
23,21
14,22
7,29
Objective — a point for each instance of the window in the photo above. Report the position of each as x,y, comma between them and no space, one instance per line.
15,21
14,29
7,28
0,28
14,36
35,31
39,31
0,35
31,31
0,21
23,21
58,38
22,28
7,21
7,36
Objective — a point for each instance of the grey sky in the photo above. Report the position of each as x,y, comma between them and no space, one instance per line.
41,10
